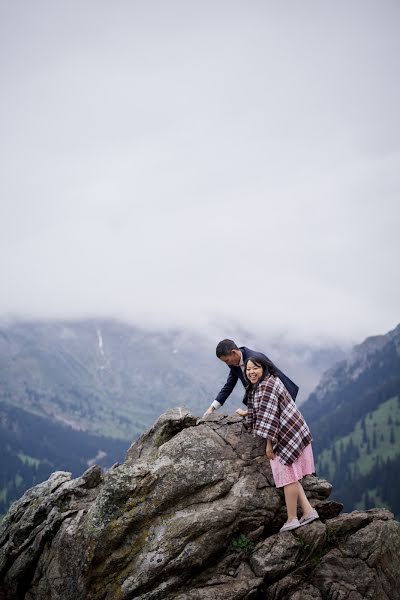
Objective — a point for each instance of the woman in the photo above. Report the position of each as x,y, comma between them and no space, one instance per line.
273,415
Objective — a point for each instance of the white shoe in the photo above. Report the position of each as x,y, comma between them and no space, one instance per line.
293,524
312,516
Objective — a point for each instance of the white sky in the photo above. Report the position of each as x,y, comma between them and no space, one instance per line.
201,162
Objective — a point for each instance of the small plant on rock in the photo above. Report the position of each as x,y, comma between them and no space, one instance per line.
242,544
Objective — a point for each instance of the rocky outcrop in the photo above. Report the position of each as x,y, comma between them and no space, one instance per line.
191,514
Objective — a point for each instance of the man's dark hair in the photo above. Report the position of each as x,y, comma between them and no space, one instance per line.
225,347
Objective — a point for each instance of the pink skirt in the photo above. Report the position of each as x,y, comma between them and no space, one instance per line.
285,474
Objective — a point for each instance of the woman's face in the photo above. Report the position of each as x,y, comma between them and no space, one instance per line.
253,372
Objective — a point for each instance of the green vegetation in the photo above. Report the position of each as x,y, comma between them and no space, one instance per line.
354,416
375,436
371,498
242,544
28,460
361,464
32,447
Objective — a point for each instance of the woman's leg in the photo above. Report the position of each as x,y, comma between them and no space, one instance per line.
303,501
291,492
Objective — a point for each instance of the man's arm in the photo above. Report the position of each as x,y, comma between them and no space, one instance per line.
228,388
224,393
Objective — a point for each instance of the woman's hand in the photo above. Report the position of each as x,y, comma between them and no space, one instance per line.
241,413
268,451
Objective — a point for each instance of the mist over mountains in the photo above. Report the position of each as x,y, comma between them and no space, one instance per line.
76,392
114,379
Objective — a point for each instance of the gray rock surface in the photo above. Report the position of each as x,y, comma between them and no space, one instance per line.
191,514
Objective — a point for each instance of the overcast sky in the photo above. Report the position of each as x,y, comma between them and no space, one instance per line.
194,163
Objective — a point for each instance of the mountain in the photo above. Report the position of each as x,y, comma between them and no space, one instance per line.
104,377
74,390
32,447
354,414
114,379
192,513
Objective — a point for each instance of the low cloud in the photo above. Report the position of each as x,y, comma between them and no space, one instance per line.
227,165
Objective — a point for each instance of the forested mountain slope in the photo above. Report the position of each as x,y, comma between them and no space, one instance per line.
32,447
354,415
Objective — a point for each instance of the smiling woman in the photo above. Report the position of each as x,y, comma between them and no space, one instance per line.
254,372
273,415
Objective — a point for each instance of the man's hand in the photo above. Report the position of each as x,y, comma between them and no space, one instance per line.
209,411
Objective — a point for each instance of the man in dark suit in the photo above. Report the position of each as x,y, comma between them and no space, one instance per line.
235,358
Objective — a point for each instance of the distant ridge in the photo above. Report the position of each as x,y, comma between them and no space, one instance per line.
71,391
114,379
354,414
32,447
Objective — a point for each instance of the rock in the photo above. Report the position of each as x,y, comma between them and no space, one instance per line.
346,524
164,429
359,559
327,509
34,521
319,488
277,555
180,519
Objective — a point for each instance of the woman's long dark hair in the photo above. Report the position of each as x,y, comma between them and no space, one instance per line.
268,368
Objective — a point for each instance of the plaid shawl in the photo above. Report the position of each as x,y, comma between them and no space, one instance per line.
272,414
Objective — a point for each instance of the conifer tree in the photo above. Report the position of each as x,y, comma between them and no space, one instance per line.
392,436
374,440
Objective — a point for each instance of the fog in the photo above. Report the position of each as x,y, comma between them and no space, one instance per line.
212,165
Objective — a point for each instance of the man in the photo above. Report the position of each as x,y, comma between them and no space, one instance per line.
235,358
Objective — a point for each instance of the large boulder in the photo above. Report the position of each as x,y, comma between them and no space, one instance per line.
191,514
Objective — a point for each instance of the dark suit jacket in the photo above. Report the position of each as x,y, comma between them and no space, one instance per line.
236,373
